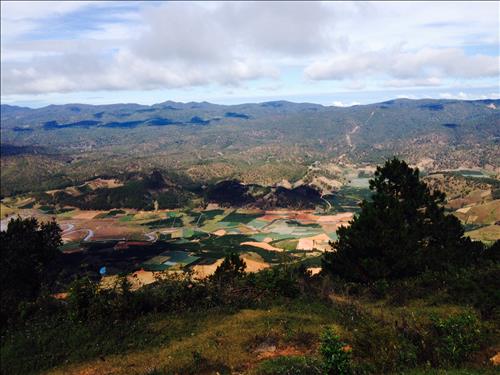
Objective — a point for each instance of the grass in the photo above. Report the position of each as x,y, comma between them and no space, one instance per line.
236,217
223,340
295,223
231,340
66,215
52,343
452,371
165,223
488,233
27,205
288,244
348,198
47,209
109,214
205,215
126,218
217,247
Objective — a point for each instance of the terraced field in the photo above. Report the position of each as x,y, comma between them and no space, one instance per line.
131,240
126,240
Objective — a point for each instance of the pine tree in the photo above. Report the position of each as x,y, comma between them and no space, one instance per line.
401,232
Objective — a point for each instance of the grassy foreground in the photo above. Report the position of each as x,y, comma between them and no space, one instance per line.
275,336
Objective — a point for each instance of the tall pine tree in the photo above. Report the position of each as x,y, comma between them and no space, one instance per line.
401,232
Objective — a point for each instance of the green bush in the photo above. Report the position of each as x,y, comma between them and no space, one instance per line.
82,299
379,288
381,348
279,280
336,355
455,338
290,365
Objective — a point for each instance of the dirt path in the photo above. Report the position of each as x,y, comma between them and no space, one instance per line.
355,129
348,136
328,203
151,236
90,233
370,117
69,228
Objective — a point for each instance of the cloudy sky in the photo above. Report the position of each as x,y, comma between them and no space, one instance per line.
336,53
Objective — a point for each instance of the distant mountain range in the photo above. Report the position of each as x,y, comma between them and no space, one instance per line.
256,142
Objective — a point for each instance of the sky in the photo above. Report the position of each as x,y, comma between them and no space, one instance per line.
332,53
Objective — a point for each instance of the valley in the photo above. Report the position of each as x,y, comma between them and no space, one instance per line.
158,204
250,188
265,225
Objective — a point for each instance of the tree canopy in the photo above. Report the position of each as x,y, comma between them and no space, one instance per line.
401,232
231,268
28,247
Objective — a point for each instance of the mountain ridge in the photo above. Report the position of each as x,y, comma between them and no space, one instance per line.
261,143
172,102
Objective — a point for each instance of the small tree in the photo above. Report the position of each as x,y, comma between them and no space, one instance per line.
401,232
27,250
231,268
336,354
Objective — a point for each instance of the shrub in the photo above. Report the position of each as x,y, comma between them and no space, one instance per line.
379,288
381,348
283,280
336,354
232,267
82,299
455,338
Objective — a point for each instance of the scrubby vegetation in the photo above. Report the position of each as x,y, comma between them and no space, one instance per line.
419,300
256,143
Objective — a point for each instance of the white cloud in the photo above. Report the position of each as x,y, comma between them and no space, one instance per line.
466,96
428,63
148,46
420,82
338,103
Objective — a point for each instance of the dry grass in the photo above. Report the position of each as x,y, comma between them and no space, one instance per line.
229,342
6,210
261,245
204,270
86,215
137,279
486,213
254,262
490,233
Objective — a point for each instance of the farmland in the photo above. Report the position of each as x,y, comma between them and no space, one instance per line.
125,241
167,254
128,240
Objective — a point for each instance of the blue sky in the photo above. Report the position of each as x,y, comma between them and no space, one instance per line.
333,53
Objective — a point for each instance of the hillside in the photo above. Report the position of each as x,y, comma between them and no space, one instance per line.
260,143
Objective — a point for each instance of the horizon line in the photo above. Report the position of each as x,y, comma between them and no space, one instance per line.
249,103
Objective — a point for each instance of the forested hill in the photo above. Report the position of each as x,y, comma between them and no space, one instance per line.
210,141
